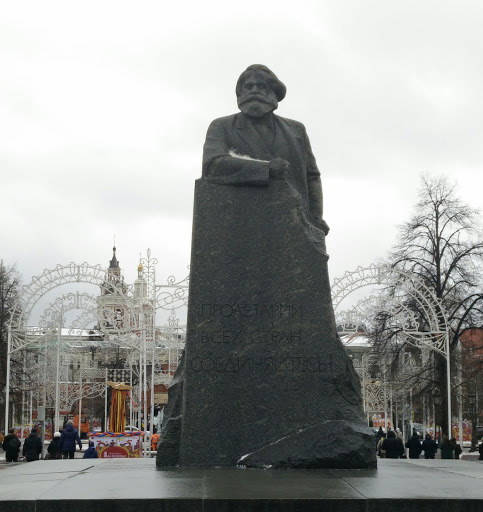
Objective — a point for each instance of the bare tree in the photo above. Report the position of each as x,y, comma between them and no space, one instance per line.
442,243
9,290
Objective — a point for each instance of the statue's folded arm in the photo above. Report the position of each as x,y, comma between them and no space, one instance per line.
222,164
228,170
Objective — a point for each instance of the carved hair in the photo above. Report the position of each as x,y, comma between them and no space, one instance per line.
277,86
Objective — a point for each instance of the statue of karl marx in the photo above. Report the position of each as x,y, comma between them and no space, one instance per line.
254,146
264,380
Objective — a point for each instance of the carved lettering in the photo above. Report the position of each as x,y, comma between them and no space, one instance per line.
267,337
257,311
268,365
224,336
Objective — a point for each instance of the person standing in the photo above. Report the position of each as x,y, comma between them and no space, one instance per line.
457,448
154,441
430,447
393,446
447,448
91,452
32,446
68,439
414,446
379,435
480,449
53,448
380,451
11,445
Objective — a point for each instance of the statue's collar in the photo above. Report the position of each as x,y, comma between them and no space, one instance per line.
242,121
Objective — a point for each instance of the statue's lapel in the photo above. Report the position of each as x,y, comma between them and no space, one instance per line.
250,142
293,142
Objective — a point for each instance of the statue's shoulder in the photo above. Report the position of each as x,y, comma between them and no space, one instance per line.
291,123
225,121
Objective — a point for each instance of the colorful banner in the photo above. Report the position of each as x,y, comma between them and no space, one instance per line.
117,446
378,420
467,430
38,426
117,417
455,430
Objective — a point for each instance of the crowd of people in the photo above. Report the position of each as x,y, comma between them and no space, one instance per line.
392,446
62,446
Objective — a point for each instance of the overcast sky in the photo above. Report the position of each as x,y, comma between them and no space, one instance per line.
104,108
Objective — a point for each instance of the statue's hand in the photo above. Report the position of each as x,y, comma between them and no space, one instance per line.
278,168
320,223
324,226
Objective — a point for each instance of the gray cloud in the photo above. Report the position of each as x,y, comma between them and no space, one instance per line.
104,117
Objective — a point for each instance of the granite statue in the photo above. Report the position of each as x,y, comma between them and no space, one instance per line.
264,380
255,145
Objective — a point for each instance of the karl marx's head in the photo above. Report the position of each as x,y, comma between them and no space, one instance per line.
258,91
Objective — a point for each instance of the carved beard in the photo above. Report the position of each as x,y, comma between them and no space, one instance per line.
257,106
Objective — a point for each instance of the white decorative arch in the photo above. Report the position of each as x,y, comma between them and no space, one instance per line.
20,336
174,294
433,335
68,302
62,275
143,341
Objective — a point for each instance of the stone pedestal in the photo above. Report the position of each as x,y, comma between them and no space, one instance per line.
265,380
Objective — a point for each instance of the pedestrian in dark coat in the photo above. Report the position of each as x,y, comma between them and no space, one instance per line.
414,446
457,451
53,448
457,448
380,451
68,439
393,446
91,452
11,444
480,449
380,434
447,448
32,446
430,447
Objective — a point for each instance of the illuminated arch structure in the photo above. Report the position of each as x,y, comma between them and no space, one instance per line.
123,319
429,330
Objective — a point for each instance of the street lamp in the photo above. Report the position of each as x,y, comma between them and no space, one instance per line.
473,406
92,349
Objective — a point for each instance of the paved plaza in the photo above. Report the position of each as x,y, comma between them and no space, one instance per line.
134,484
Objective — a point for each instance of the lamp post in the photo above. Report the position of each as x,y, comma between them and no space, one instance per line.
57,371
473,406
92,349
